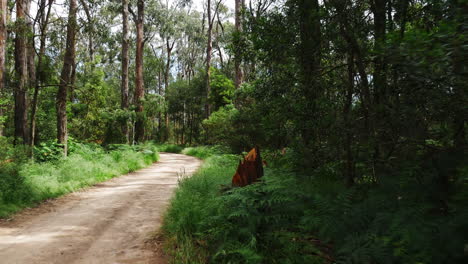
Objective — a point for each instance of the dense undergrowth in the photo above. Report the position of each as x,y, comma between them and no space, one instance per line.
24,182
291,217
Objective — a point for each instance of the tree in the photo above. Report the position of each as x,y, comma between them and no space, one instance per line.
239,75
139,85
3,38
66,77
40,77
125,64
21,67
209,47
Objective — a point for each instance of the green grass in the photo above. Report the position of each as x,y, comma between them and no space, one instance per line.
210,222
23,185
193,204
204,152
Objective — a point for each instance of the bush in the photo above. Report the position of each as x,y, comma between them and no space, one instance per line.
219,127
171,148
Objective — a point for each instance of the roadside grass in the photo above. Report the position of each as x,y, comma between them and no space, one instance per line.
210,222
194,203
25,184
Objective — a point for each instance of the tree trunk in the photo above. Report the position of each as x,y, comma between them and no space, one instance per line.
90,28
380,86
44,21
125,63
310,54
169,48
21,67
209,48
350,167
66,77
237,56
382,121
139,85
3,36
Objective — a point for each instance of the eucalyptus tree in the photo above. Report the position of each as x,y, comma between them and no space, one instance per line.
211,13
239,75
222,34
3,39
22,71
190,45
66,76
125,64
139,85
43,18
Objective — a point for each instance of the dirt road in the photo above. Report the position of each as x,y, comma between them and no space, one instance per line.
107,223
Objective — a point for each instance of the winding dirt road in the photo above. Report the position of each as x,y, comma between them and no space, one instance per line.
107,223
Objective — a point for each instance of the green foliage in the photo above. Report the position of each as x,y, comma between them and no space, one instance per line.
314,218
24,183
222,89
219,127
204,152
171,148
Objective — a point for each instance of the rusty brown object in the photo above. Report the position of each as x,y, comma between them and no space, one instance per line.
249,170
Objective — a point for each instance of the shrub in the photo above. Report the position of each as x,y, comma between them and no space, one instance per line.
171,148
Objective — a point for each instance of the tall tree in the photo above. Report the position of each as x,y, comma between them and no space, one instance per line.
21,67
66,77
125,63
310,49
3,36
139,85
40,78
209,47
90,29
239,75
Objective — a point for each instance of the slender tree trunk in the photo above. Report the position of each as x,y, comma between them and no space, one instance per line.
169,48
40,67
382,121
209,48
459,89
139,85
31,51
66,77
21,67
3,37
310,54
125,63
237,56
350,171
90,30
379,10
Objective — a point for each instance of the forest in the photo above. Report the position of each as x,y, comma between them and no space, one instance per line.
359,109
